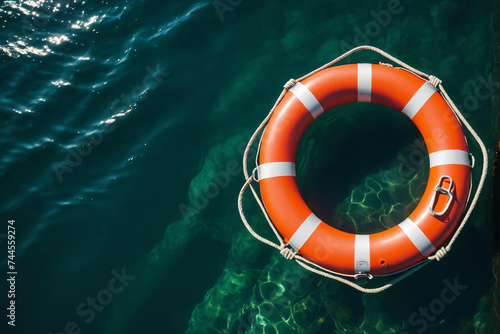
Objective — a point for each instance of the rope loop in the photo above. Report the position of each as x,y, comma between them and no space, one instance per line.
441,253
434,81
290,83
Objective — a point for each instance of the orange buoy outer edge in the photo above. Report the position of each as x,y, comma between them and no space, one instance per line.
436,216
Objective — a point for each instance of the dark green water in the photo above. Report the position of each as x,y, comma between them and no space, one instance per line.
123,127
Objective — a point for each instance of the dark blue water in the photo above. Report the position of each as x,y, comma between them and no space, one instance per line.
123,127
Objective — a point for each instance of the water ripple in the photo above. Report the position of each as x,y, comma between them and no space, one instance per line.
167,26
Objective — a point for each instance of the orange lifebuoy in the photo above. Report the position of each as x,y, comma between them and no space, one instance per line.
436,216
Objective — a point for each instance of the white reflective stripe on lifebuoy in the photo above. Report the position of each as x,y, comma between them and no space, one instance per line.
418,100
362,253
275,169
304,231
364,82
308,99
449,157
417,237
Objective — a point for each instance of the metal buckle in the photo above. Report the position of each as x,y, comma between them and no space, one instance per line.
472,160
385,64
363,275
443,191
255,174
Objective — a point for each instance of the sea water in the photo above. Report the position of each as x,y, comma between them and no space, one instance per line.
123,129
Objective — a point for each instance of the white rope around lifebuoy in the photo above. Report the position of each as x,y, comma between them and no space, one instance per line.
288,252
481,180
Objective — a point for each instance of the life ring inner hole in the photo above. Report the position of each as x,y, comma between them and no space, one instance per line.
362,167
